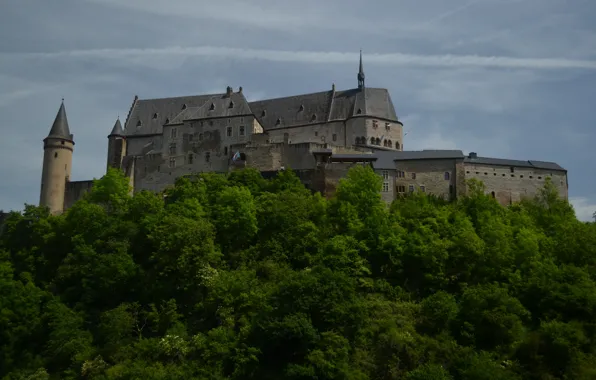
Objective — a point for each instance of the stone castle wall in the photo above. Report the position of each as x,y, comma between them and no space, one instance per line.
436,176
75,191
512,184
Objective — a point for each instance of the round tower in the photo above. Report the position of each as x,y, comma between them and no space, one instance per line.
116,146
57,161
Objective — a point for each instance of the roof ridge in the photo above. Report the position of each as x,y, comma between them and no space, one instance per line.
134,102
182,97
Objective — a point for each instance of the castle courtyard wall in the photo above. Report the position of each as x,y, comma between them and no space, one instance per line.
427,175
510,184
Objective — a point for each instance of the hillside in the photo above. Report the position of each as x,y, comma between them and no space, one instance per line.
237,277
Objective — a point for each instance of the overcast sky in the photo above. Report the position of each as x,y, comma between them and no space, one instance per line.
504,78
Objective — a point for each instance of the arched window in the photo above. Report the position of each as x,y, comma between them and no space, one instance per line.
378,141
447,176
190,159
389,144
492,194
397,145
384,143
372,141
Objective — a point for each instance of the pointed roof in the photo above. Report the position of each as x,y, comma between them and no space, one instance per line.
117,130
60,127
361,73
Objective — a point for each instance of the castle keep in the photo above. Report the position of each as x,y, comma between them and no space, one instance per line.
319,135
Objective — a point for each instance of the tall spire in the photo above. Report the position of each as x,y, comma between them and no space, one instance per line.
361,74
60,127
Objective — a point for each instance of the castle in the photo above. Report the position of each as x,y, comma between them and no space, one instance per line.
319,135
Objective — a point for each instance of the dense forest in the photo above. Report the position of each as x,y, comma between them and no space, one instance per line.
239,277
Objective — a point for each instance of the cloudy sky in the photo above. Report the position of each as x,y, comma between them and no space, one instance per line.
504,78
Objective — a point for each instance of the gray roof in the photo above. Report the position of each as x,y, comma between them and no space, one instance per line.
117,130
60,127
154,113
148,116
216,106
324,106
518,163
387,158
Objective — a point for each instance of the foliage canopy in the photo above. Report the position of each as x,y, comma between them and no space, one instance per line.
238,277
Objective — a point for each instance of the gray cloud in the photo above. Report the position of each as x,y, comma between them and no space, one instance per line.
505,78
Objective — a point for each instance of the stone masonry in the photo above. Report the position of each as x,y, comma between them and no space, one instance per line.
319,135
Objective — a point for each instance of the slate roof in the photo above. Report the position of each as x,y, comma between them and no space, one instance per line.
325,106
386,159
117,130
216,106
164,110
518,163
148,116
60,127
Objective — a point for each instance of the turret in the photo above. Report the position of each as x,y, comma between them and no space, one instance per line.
116,146
58,148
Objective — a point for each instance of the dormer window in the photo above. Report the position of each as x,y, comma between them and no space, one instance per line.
155,115
278,122
167,121
231,105
212,107
359,111
264,113
313,117
184,106
139,123
301,107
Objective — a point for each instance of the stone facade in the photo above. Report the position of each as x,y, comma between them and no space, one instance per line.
319,135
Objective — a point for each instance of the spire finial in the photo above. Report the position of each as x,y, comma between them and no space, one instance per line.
361,73
63,100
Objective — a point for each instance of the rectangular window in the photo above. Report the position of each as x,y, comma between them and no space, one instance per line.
229,131
190,158
190,137
411,188
385,174
423,188
316,133
447,176
207,156
401,189
413,175
172,162
241,130
375,124
385,187
174,133
334,137
387,126
172,149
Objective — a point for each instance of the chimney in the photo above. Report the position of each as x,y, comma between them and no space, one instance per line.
229,91
240,89
472,155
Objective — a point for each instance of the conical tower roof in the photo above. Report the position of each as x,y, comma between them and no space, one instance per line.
117,130
60,127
